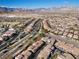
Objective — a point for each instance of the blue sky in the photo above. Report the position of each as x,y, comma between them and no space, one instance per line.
38,3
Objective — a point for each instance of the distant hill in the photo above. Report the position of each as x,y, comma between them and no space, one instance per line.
5,9
53,9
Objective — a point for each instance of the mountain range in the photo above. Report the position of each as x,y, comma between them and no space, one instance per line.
53,9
